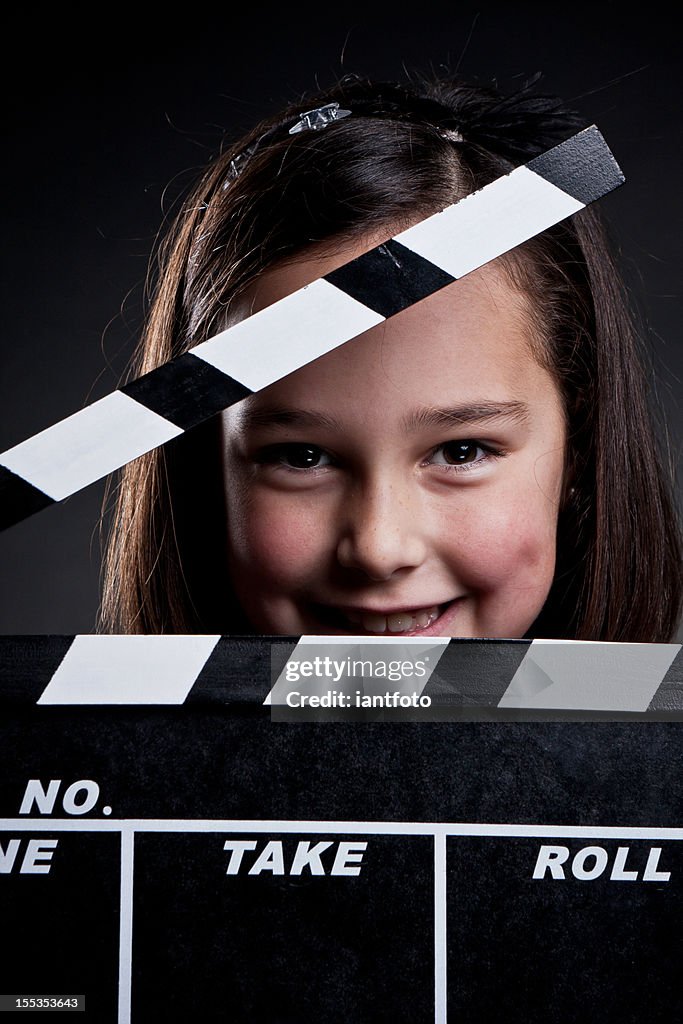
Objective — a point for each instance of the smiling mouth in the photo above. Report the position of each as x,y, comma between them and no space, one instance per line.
403,622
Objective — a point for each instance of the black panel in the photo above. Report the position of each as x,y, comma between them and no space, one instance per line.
283,949
669,694
583,166
240,669
61,928
560,950
389,278
475,673
186,391
27,665
19,499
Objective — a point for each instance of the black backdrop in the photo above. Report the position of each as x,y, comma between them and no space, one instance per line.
103,118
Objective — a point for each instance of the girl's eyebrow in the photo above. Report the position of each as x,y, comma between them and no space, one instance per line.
285,417
419,419
475,412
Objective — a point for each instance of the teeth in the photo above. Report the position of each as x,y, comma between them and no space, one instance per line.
374,623
398,622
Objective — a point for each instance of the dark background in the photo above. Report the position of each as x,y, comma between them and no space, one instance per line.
104,122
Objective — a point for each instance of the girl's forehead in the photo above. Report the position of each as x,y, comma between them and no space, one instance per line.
283,279
469,343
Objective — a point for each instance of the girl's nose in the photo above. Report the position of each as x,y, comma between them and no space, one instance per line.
382,532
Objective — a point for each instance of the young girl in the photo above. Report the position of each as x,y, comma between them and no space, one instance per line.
481,465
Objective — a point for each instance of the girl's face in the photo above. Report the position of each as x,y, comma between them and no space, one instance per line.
407,483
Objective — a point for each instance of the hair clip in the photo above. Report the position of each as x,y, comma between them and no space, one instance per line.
237,163
451,134
318,118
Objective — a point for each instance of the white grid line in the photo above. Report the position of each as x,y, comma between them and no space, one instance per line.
440,948
405,828
126,924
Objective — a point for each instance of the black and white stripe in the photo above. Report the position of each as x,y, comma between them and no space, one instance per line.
303,326
465,675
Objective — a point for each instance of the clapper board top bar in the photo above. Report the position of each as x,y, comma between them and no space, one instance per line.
465,677
303,326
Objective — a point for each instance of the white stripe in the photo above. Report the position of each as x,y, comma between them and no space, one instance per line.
126,925
440,919
340,648
589,676
490,222
129,669
287,335
379,828
87,445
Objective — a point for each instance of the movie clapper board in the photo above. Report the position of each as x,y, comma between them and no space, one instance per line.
508,853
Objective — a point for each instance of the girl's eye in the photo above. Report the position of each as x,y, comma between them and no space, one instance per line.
459,453
295,456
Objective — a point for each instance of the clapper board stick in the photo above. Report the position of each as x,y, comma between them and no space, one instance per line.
276,341
540,676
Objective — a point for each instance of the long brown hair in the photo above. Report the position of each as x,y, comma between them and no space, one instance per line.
405,151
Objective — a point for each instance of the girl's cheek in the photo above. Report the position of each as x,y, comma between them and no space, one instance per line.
510,543
276,539
508,574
